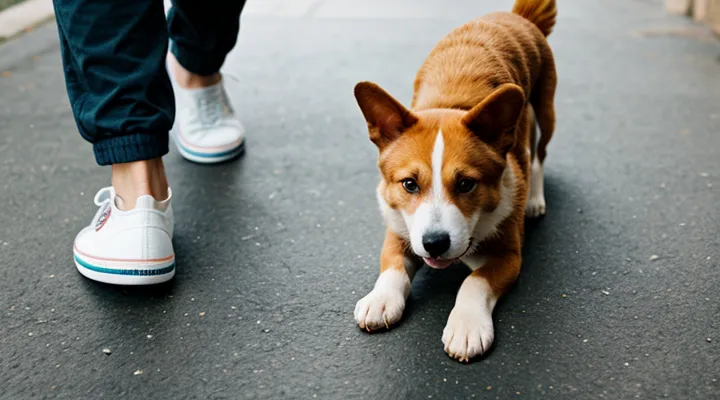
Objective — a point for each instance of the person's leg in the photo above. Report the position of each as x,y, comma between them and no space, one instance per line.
113,55
202,35
114,60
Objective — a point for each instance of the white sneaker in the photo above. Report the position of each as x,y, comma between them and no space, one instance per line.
206,129
127,247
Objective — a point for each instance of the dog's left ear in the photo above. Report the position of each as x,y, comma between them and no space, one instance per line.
495,118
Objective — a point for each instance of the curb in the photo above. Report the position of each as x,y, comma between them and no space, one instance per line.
19,50
24,16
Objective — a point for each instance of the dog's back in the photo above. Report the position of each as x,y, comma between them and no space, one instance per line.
476,58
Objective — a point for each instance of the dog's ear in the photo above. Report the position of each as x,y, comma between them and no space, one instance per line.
495,118
387,119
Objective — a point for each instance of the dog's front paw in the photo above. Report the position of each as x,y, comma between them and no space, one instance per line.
468,333
385,304
379,309
535,207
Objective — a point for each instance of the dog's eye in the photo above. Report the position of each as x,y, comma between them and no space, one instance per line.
410,185
466,185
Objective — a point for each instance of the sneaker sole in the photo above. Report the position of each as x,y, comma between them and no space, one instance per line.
209,158
113,272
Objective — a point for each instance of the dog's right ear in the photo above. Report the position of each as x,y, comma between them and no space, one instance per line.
495,118
387,119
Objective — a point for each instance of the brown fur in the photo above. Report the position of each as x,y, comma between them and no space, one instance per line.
543,15
483,86
464,69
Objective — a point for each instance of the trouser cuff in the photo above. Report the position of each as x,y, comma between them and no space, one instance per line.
129,148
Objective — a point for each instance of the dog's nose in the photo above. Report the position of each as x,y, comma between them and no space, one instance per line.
436,243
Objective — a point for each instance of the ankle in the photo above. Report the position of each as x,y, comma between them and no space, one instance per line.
188,80
135,179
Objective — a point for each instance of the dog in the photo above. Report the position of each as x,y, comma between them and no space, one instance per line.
463,167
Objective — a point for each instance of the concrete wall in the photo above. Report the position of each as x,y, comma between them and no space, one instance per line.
713,14
707,11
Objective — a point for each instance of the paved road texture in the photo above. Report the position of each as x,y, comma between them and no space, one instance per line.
618,298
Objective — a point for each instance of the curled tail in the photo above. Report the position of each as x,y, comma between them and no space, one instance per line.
542,13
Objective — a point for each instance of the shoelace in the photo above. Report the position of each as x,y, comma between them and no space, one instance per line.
102,200
104,195
213,107
208,112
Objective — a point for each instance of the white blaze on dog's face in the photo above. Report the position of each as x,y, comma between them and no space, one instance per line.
445,185
438,230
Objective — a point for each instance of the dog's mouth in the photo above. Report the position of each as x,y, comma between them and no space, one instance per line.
442,263
439,263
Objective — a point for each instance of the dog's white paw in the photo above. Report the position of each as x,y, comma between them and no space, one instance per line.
469,331
535,206
379,309
385,304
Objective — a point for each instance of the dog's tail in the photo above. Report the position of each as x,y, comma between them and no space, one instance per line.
542,13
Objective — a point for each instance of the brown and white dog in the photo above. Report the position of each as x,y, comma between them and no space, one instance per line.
463,167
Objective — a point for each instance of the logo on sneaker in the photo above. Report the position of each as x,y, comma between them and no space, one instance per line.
104,216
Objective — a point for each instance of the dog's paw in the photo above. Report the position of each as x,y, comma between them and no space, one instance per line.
535,207
385,304
379,309
469,332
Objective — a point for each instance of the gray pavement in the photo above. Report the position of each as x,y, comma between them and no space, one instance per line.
274,250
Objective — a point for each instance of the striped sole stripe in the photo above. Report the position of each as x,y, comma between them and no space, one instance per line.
238,149
131,272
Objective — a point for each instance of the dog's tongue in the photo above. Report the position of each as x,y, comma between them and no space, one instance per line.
438,264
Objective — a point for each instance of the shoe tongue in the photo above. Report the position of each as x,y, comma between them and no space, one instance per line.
147,202
207,92
119,202
144,202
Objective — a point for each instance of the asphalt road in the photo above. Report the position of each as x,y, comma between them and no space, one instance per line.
274,250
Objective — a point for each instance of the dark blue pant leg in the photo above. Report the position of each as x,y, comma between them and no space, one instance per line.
113,55
204,32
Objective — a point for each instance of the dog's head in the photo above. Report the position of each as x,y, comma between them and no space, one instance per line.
445,183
